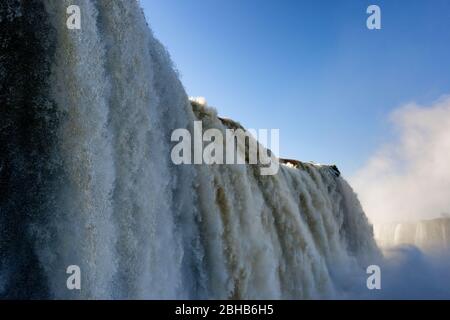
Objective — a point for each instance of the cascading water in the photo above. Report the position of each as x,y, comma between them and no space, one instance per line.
87,178
429,235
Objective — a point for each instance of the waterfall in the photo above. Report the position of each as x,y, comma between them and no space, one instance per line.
429,235
86,178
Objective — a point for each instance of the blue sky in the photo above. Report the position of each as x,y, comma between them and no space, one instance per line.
310,68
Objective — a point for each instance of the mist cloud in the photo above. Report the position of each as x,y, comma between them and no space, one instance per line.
409,178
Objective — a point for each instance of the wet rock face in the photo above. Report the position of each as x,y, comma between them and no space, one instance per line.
27,126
